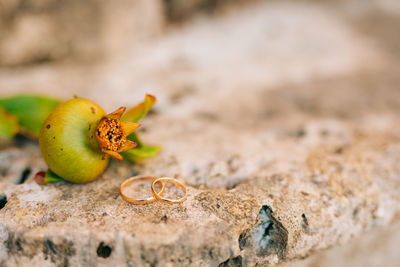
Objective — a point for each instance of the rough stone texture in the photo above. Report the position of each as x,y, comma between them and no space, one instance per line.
33,32
181,10
282,119
371,249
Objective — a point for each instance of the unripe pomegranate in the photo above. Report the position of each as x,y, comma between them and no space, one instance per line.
77,139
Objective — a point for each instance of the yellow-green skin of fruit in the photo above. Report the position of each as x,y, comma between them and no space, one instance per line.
68,143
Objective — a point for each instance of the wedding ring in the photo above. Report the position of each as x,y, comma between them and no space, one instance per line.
159,197
141,178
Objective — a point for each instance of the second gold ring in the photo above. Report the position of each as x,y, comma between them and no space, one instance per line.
159,196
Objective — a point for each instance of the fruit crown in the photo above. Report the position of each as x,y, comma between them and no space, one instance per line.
112,133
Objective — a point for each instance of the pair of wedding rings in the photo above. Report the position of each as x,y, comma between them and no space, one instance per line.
157,196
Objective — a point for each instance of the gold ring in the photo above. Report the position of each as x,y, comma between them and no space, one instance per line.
166,200
140,178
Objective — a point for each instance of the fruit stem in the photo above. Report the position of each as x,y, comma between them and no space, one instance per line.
42,178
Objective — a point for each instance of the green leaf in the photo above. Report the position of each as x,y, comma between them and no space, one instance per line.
30,110
135,138
140,153
8,124
136,113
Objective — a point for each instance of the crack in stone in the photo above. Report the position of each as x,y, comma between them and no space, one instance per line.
24,175
232,262
3,201
267,237
104,250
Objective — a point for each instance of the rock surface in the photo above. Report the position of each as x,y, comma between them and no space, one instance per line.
285,133
34,32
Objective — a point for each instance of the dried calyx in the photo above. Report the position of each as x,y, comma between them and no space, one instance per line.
112,134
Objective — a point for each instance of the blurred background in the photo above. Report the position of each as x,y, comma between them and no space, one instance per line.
172,48
245,63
